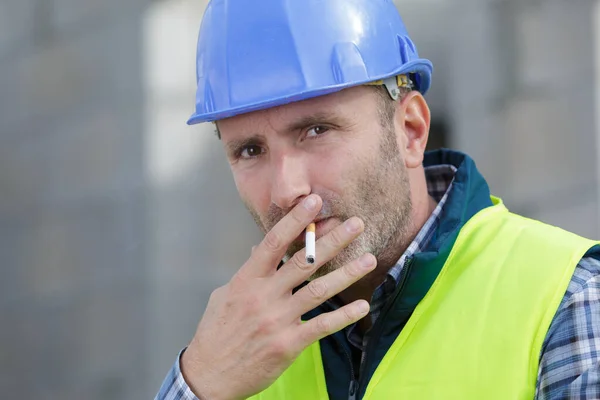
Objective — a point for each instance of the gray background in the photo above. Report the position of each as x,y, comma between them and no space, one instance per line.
117,220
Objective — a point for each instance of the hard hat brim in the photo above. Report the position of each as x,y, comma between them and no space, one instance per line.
422,67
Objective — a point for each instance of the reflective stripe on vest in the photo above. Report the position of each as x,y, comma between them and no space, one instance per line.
478,332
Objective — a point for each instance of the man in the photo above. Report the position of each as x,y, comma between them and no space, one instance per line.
425,286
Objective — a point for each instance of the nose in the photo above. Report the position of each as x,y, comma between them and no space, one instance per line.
290,182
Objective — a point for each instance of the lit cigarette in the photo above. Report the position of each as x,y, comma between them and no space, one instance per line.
310,244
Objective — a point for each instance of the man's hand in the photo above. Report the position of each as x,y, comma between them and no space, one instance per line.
251,329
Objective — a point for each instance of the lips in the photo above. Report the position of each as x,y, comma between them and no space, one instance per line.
321,228
320,223
325,225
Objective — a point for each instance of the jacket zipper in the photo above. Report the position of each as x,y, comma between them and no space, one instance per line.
353,389
376,333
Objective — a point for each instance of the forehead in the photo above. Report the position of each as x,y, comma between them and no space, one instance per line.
353,104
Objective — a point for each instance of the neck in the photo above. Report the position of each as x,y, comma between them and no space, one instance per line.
364,288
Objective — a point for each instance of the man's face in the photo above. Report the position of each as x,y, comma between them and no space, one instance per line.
337,146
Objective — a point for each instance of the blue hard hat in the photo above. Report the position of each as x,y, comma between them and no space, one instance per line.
258,54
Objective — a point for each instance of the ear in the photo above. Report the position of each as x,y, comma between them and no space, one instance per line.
413,118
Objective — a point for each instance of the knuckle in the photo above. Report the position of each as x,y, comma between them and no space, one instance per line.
216,294
348,314
220,296
267,326
351,271
298,262
272,241
237,280
317,289
280,349
336,238
324,326
298,215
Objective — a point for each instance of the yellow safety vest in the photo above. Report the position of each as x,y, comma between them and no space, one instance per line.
478,332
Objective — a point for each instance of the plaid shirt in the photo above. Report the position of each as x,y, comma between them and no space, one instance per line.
570,357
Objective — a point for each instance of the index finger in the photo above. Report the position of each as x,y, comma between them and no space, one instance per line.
272,248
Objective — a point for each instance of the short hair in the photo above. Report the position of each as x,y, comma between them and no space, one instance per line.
386,106
217,131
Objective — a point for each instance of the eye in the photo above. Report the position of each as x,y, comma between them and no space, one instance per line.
251,151
316,131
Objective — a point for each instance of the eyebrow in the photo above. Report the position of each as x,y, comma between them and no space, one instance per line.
314,119
317,118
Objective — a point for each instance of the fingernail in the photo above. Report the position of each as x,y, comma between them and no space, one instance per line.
366,260
352,225
364,307
310,203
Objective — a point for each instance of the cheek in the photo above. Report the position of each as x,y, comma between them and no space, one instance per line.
254,190
335,172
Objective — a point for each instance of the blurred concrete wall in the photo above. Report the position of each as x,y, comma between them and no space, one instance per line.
531,118
73,292
519,82
114,216
117,220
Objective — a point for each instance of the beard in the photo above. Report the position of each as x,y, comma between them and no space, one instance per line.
378,193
